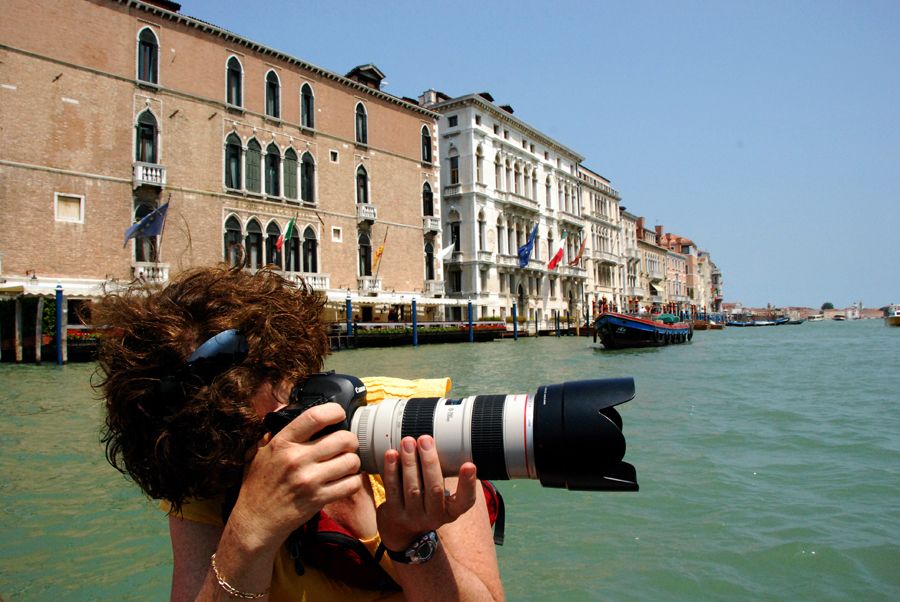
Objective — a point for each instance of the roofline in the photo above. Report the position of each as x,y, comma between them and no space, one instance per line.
502,115
257,47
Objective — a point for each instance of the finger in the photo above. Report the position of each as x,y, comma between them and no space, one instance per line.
311,422
432,477
465,495
409,469
339,489
391,478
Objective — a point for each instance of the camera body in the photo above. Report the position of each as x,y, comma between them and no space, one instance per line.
566,435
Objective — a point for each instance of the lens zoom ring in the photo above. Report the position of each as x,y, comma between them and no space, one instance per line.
487,437
418,417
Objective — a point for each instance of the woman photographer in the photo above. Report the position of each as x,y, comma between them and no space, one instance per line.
188,373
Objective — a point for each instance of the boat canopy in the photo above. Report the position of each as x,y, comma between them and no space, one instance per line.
667,318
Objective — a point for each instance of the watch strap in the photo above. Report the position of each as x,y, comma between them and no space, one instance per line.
421,550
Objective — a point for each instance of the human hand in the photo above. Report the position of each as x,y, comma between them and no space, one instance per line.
291,478
414,486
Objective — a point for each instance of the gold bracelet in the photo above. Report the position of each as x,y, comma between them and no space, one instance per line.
230,589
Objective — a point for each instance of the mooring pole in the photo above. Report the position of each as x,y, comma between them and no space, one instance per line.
515,323
60,318
415,324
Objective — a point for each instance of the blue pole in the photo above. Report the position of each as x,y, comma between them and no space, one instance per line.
557,322
60,341
515,324
415,325
349,310
471,330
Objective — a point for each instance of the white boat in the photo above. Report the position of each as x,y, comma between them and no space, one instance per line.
892,315
816,317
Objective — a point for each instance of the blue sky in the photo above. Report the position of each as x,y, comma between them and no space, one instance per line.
767,132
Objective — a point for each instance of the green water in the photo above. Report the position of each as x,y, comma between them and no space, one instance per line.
768,459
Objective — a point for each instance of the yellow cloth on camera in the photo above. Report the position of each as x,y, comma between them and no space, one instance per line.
314,585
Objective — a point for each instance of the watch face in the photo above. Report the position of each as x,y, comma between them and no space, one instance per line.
424,549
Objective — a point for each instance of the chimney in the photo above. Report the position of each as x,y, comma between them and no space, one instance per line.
659,234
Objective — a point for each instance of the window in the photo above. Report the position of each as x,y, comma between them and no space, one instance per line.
145,247
452,121
293,248
273,169
307,107
478,120
362,126
453,157
69,207
252,166
273,95
310,251
362,185
506,134
365,254
479,166
482,230
455,281
233,162
290,174
273,254
426,144
145,138
308,179
337,235
253,245
148,57
427,200
234,82
333,155
454,235
232,241
496,129
429,261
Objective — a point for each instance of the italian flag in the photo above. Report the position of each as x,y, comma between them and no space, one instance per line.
557,257
285,235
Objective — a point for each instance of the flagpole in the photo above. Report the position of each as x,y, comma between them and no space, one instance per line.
162,231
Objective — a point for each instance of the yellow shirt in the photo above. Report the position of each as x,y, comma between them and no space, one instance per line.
314,585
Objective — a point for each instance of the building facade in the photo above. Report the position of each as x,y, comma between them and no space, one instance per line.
152,107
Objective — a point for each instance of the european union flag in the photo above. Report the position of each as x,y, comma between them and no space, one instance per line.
525,250
151,225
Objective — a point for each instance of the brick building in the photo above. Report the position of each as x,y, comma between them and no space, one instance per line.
111,109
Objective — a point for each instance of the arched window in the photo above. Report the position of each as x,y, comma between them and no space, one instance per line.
232,241
273,95
273,254
365,254
310,251
293,248
145,138
454,230
427,200
308,179
516,179
362,185
233,162
148,57
307,107
290,174
253,245
482,231
426,144
273,170
145,247
479,165
453,158
362,126
234,82
501,235
498,174
252,160
429,261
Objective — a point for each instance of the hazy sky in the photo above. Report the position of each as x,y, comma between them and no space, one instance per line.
767,132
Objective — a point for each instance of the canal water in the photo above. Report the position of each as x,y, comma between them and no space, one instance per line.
768,460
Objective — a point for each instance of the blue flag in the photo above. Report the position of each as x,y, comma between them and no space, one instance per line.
525,250
151,225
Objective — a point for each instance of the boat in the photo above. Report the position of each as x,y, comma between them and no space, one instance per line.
763,323
781,320
892,315
816,317
796,322
700,324
839,317
716,325
619,331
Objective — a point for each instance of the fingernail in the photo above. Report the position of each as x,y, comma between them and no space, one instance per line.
408,444
426,443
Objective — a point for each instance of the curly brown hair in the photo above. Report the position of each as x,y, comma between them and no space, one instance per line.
195,447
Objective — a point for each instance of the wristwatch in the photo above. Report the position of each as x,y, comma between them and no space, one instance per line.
421,550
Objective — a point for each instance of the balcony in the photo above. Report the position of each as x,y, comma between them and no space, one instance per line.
148,174
319,282
571,218
632,254
516,200
452,190
146,271
433,288
607,257
366,212
431,224
508,260
484,256
368,285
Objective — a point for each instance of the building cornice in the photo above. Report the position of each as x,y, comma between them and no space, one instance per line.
224,34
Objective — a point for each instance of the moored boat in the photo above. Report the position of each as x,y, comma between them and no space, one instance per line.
816,318
892,315
619,331
700,324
